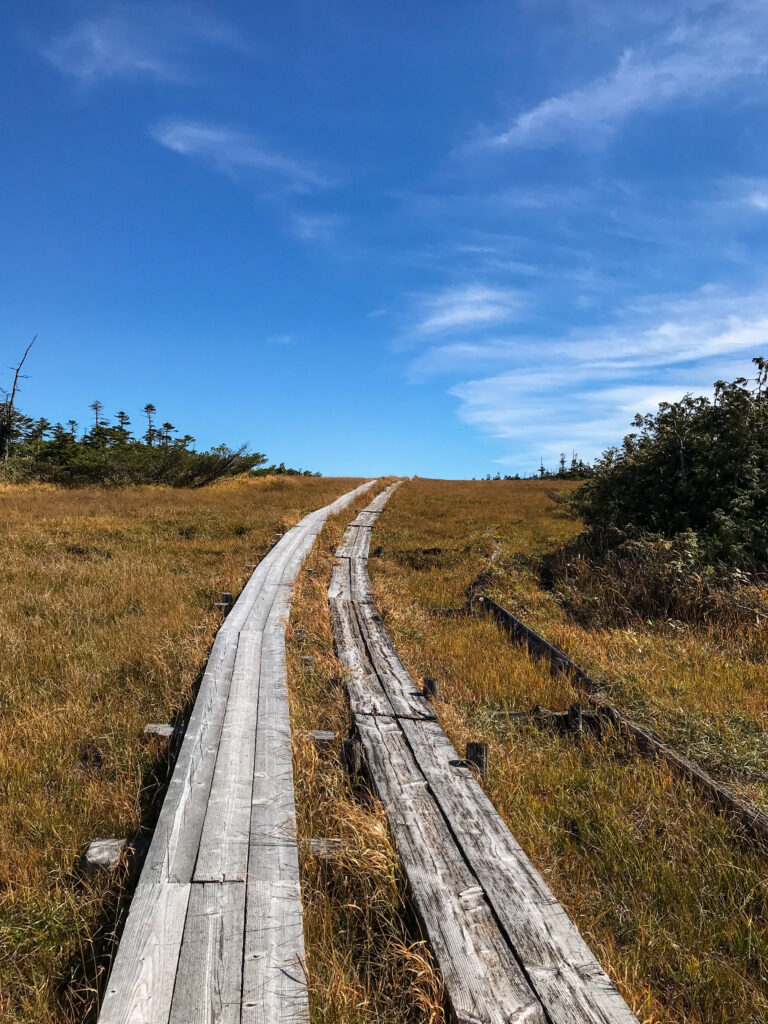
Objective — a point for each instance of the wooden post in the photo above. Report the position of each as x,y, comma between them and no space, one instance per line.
430,687
477,757
352,757
574,718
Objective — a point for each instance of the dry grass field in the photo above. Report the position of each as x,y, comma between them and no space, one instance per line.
105,622
672,901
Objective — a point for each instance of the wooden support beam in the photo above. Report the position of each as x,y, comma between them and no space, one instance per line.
352,757
746,814
105,854
161,730
477,757
430,687
323,739
225,603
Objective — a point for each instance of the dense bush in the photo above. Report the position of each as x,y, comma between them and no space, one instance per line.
697,467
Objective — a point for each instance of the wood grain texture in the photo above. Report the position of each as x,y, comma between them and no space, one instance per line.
561,968
140,987
505,946
209,972
274,974
227,828
483,981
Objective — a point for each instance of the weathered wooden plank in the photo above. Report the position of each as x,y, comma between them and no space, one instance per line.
405,697
366,693
559,965
176,838
209,974
355,542
483,981
141,984
272,852
340,587
366,518
223,853
274,976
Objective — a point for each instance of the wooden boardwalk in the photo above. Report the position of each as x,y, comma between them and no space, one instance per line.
507,949
214,932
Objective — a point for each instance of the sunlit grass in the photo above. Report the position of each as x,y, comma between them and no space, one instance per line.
674,905
105,623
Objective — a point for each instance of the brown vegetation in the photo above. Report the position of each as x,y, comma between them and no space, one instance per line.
106,618
672,900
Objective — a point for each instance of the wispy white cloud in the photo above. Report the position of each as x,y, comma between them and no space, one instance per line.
317,228
586,392
548,412
466,307
722,45
281,339
234,152
137,41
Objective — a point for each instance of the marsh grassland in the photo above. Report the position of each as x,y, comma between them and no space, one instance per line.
670,897
105,622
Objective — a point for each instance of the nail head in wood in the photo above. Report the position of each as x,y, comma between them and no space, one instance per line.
430,687
104,854
477,757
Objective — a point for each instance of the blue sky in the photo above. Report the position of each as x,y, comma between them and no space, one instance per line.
436,238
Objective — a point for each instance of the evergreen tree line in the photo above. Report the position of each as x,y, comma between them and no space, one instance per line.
576,469
108,452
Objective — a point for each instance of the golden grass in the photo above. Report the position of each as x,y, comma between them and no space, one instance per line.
674,905
105,622
365,961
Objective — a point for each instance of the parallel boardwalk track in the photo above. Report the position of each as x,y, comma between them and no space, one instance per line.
214,931
507,950
752,820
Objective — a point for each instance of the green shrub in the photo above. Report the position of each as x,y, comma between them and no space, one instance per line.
696,466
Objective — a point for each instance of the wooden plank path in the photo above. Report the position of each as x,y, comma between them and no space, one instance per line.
214,932
507,949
